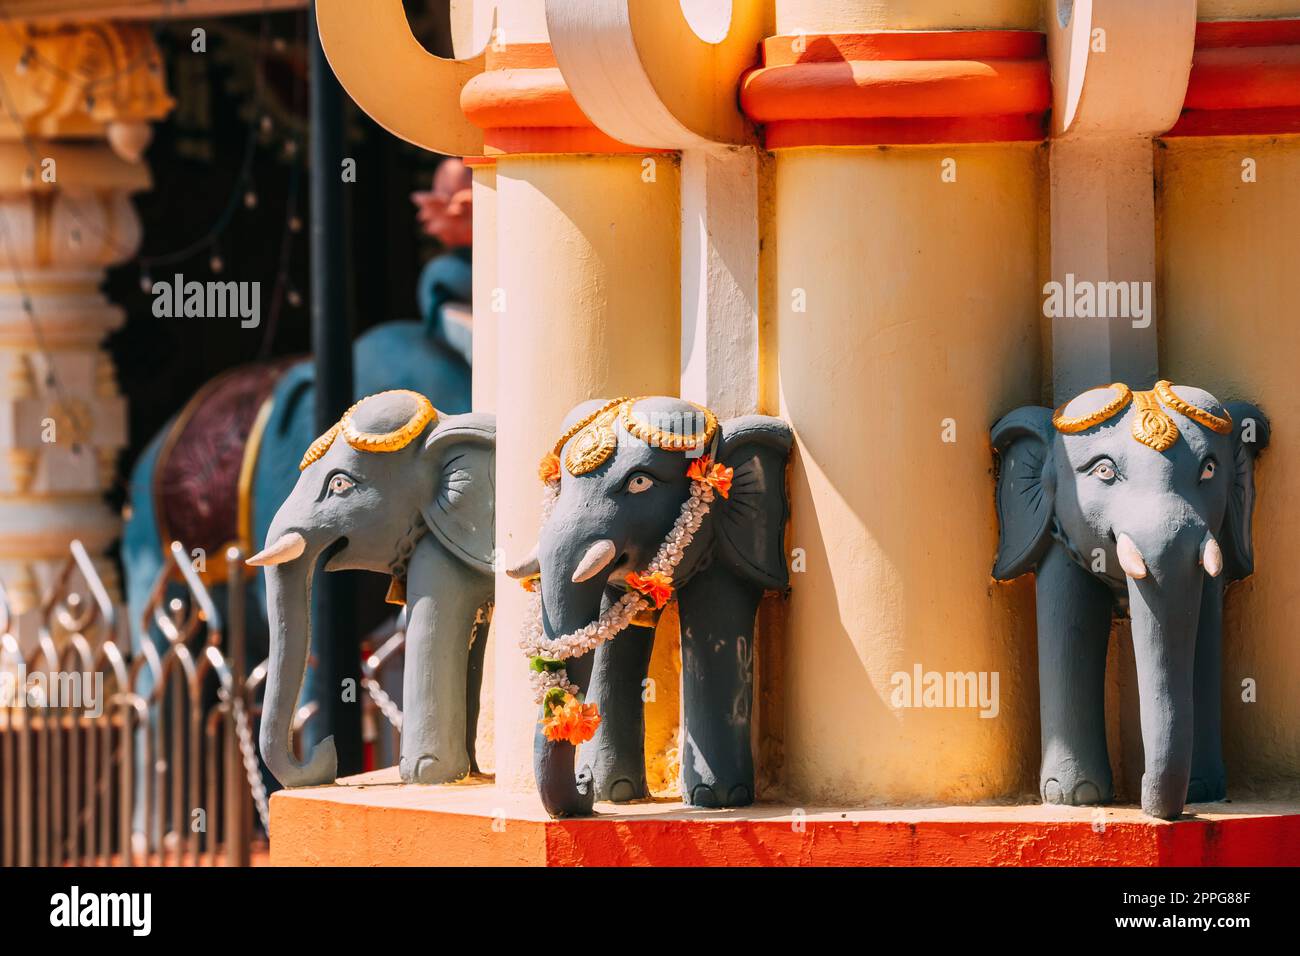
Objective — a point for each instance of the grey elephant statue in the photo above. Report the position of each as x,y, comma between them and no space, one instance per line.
395,488
1141,502
650,500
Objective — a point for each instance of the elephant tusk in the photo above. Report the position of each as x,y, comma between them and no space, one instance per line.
285,548
1211,556
1130,558
597,558
529,567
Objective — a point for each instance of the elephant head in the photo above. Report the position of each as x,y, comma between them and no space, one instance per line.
653,499
1150,494
370,492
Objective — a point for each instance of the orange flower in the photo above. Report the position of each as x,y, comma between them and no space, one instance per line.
573,721
716,475
530,583
549,469
657,586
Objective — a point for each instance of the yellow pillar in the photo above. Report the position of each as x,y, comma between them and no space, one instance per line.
77,101
586,303
1227,206
907,263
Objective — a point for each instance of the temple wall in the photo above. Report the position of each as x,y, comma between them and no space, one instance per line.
1227,250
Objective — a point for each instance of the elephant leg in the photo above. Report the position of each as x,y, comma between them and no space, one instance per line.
615,756
717,623
1208,780
1074,615
443,597
474,681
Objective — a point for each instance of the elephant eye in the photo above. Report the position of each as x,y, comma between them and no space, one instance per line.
1208,469
340,484
1104,469
639,483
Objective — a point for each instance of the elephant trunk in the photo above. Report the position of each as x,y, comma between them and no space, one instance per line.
567,605
288,592
1164,605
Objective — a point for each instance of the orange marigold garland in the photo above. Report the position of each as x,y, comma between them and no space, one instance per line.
567,718
549,469
657,586
716,475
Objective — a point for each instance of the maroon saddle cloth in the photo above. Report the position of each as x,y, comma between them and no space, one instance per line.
196,484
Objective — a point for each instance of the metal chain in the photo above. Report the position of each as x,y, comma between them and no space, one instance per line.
386,705
251,770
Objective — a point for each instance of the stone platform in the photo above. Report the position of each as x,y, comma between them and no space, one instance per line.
371,820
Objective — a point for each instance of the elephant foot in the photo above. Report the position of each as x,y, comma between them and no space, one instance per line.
1077,792
705,795
1207,789
1163,795
622,790
427,768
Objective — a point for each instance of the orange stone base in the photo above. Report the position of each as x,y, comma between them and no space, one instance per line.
371,821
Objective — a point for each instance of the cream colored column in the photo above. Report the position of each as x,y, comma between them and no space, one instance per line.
624,61
907,321
586,260
65,216
587,265
1119,74
1227,210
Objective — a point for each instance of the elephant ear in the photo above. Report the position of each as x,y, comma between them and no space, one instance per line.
1026,489
1250,434
750,522
462,451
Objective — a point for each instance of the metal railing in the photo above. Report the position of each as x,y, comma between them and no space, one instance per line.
109,760
153,760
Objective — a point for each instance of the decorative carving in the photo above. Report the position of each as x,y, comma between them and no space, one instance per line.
398,438
1082,423
19,383
1165,391
22,468
592,446
74,421
1152,425
673,441
78,79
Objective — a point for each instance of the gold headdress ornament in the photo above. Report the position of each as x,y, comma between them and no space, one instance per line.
595,437
394,440
1152,425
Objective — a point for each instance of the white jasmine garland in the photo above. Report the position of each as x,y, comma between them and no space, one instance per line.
618,615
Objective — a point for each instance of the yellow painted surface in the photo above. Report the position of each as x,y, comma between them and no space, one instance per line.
588,264
921,306
860,16
1228,324
1246,9
484,399
484,382
663,713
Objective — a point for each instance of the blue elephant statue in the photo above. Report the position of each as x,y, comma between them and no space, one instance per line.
218,471
650,500
400,489
1138,502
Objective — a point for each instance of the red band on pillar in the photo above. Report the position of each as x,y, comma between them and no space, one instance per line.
523,105
1245,80
900,88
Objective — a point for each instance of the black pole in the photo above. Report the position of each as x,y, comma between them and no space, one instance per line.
335,639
